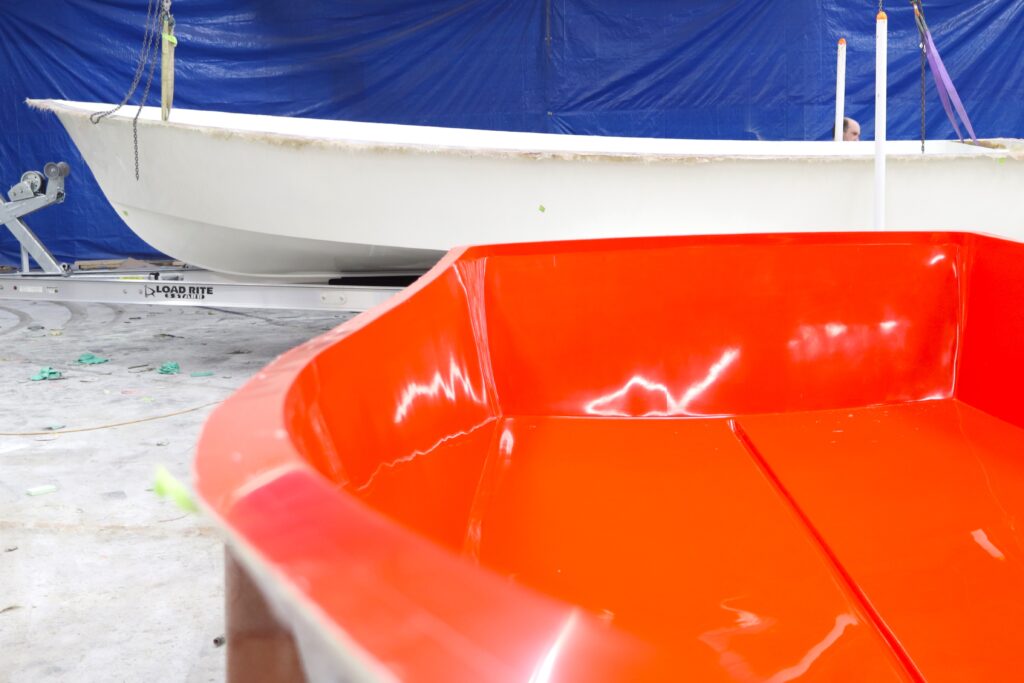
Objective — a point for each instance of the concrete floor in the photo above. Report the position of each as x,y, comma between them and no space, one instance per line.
101,580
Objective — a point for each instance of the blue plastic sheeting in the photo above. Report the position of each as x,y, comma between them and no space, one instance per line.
688,68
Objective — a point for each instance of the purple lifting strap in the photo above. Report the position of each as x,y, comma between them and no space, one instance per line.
947,91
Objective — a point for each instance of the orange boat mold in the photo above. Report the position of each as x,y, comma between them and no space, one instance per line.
757,457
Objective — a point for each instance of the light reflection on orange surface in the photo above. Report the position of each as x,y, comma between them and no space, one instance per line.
618,403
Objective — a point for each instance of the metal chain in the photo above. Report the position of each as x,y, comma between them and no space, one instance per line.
147,55
96,117
142,102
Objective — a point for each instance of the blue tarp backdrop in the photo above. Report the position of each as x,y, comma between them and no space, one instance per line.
756,69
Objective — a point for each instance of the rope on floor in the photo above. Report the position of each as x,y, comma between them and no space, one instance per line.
115,424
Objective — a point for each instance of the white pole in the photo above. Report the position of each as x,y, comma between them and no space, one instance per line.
881,66
840,89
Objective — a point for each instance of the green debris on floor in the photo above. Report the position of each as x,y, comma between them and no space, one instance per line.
41,490
169,368
91,359
203,373
46,372
166,486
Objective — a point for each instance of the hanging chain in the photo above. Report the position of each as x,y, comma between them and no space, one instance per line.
142,103
147,55
96,117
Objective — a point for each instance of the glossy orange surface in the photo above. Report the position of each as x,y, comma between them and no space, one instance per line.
735,458
920,502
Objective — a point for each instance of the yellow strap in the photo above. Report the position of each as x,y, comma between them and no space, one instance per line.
169,37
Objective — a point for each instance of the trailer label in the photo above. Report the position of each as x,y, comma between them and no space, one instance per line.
193,292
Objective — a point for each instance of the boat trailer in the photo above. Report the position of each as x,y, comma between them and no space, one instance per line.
172,286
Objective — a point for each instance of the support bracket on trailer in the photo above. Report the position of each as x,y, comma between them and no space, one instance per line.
33,192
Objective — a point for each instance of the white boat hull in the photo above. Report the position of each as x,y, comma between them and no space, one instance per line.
307,199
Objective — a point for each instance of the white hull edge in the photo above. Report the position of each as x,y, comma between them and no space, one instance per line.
304,199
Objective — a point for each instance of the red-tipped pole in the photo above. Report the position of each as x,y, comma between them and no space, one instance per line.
840,89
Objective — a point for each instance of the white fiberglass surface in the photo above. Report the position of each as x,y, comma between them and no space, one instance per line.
505,141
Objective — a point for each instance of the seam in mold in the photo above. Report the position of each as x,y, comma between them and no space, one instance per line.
858,594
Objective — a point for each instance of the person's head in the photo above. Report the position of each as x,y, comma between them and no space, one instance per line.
851,129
